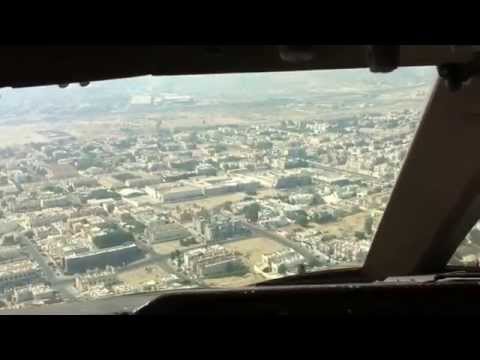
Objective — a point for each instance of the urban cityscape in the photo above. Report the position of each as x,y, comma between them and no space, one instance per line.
160,188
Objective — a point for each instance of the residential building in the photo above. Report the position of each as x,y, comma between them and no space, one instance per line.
206,170
294,180
213,261
157,190
218,228
289,259
82,182
25,205
18,272
47,217
57,201
158,231
146,181
106,277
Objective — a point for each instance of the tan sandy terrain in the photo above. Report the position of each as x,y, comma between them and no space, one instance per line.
140,276
348,224
197,119
266,193
234,281
97,129
253,248
166,247
21,134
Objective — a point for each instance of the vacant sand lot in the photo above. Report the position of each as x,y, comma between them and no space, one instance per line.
139,276
165,248
87,130
348,224
21,134
234,281
253,248
211,202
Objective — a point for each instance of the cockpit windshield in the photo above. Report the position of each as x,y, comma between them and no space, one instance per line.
154,183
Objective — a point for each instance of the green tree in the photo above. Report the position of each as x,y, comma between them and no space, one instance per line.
203,213
229,268
126,217
113,238
302,269
10,240
251,212
179,260
228,206
220,147
317,200
282,269
86,161
41,172
103,194
360,235
302,219
368,226
54,188
323,218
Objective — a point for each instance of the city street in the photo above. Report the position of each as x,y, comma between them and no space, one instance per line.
62,285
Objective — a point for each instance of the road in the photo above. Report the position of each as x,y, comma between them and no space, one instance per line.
61,285
284,241
64,285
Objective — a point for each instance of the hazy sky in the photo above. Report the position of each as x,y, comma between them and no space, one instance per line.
241,86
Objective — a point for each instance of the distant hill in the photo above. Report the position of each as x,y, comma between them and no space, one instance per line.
223,87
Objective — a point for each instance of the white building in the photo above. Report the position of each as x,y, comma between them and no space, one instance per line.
18,272
57,201
213,261
287,258
47,217
106,277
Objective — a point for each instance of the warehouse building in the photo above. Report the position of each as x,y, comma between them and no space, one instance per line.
182,193
100,259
